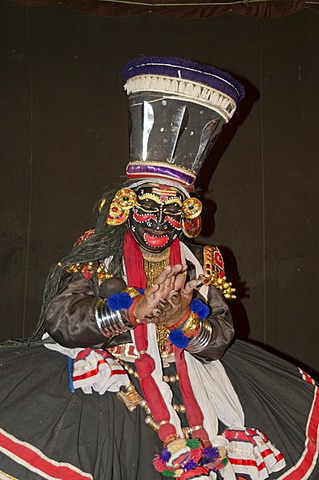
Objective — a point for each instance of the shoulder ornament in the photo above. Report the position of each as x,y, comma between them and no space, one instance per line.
214,272
89,269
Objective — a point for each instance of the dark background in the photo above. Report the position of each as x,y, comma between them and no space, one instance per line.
64,139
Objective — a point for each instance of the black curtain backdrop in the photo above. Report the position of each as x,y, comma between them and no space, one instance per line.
64,139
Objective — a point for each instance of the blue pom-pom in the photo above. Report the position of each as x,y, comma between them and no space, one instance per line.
191,465
178,338
117,301
211,453
165,455
199,307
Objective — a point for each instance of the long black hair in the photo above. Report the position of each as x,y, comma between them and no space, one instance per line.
106,241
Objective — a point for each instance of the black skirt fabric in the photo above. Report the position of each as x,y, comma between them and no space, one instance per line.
46,431
281,401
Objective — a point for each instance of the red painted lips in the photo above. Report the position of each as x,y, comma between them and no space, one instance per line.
156,241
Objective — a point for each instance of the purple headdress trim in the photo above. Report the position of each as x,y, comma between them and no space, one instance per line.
180,68
153,170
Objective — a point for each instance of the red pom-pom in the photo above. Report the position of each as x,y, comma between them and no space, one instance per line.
159,465
196,454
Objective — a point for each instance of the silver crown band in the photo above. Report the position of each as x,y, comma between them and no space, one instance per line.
185,89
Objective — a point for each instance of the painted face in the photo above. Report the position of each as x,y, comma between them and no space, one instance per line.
156,219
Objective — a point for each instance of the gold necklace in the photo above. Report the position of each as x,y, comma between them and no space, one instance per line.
154,264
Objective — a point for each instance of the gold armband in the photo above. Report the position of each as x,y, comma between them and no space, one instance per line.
191,326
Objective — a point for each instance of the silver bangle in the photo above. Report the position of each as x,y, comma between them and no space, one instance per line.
98,319
199,343
109,322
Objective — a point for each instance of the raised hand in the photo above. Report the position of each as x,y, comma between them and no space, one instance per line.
168,299
175,306
162,287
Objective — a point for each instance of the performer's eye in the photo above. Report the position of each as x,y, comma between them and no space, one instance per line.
147,205
173,209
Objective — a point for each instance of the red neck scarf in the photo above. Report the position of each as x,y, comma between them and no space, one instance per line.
145,365
133,260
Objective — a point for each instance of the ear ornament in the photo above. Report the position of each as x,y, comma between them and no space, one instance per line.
192,207
119,210
192,226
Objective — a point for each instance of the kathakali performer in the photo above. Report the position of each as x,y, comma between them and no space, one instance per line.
133,372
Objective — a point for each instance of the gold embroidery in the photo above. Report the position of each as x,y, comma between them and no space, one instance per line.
131,398
214,273
88,270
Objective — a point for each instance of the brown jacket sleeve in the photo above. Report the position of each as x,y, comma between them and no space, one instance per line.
70,318
222,324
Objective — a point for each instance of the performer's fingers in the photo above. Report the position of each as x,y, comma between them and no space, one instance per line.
149,291
163,275
180,281
178,268
174,297
170,272
189,287
164,305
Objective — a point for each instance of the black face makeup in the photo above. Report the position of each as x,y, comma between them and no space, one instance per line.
156,219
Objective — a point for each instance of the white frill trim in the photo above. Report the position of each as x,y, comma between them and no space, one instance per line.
251,453
93,370
98,373
52,345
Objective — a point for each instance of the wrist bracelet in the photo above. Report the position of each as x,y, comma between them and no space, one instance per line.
130,311
202,340
133,292
195,332
109,322
191,327
181,321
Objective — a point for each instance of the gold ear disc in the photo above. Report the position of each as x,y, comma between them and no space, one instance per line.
125,198
123,201
117,215
192,207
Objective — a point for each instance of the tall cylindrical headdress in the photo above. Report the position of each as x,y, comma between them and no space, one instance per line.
177,110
